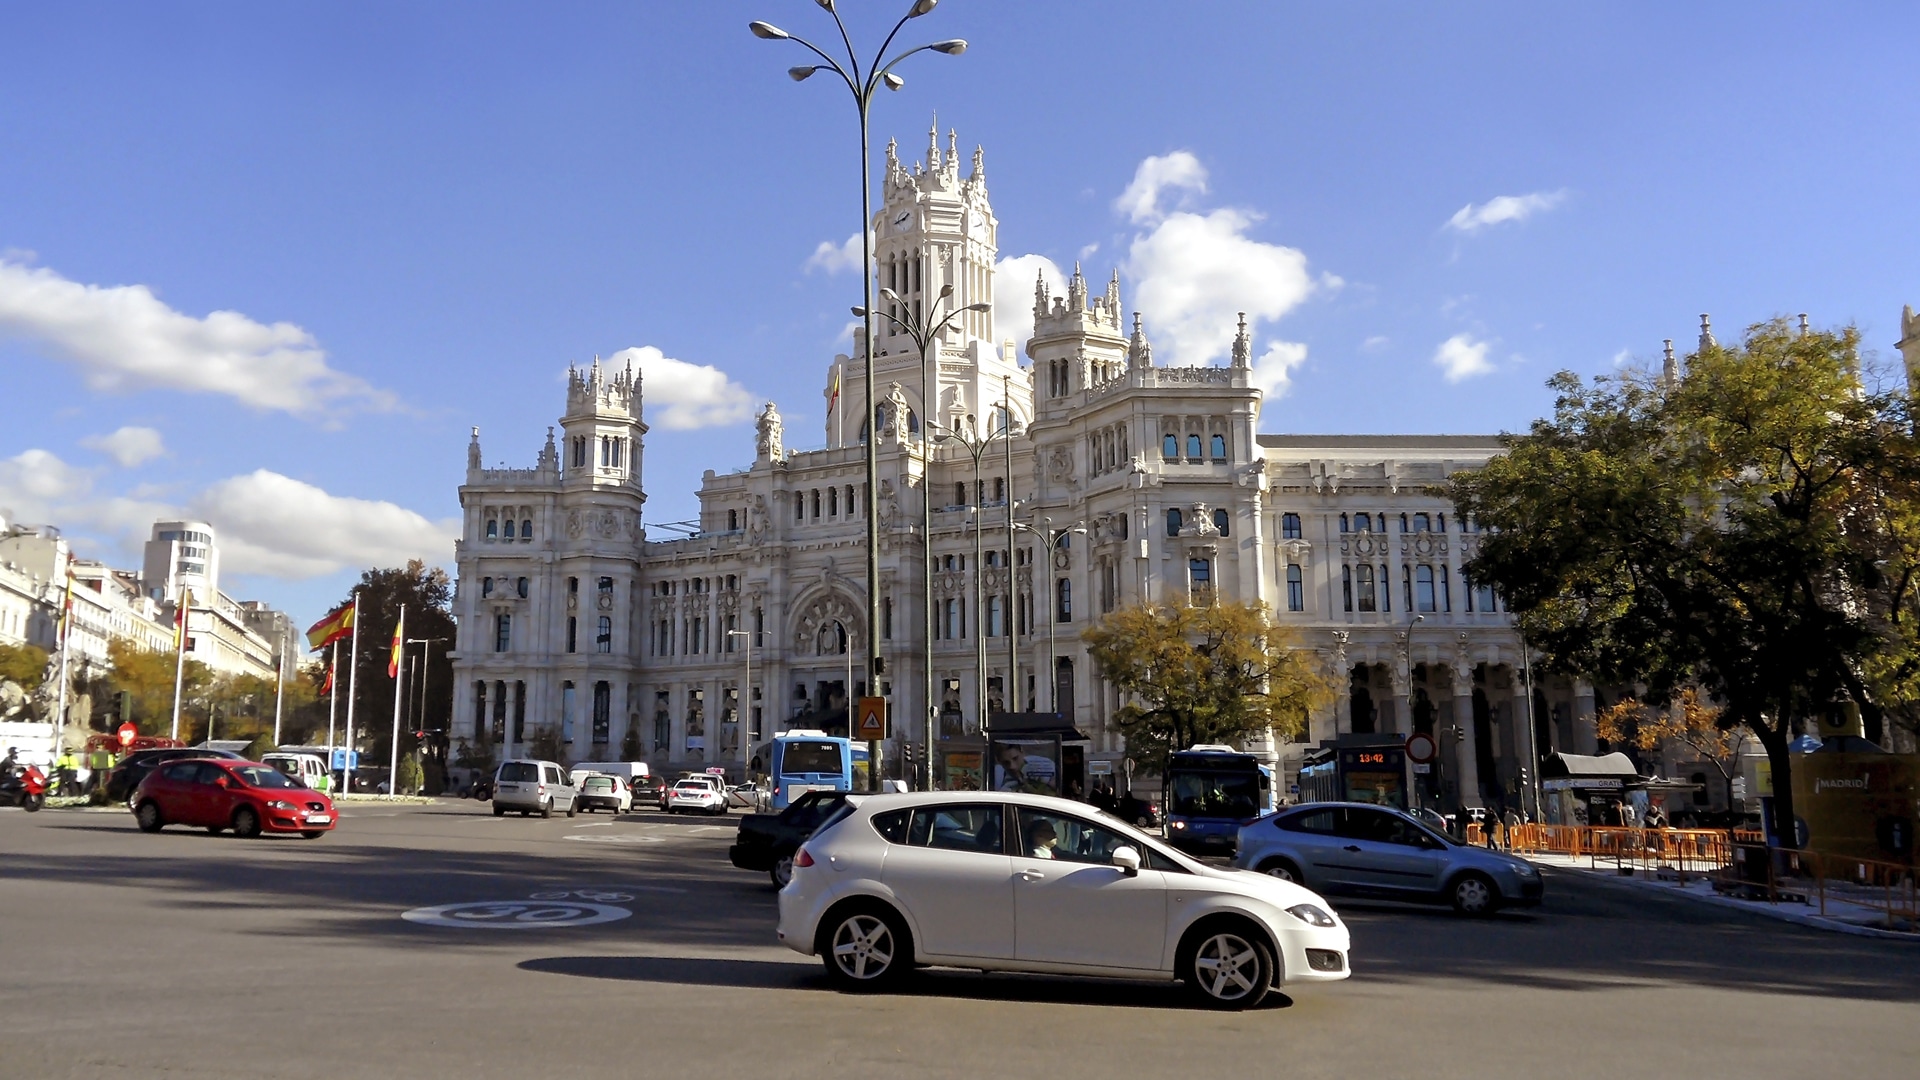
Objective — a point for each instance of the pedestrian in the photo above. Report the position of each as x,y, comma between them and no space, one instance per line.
1656,818
1490,828
1512,822
1628,817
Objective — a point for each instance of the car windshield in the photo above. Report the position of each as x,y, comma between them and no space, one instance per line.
811,757
1211,794
694,785
263,776
519,772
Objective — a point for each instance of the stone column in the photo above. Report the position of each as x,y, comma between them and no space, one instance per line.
1466,769
1584,740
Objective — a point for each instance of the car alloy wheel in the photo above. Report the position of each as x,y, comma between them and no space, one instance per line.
1282,869
147,816
1473,895
863,951
782,871
1229,971
246,823
546,808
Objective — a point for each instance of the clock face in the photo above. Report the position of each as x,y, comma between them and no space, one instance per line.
900,220
976,222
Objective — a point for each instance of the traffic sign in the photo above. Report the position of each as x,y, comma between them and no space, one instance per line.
870,720
126,732
1421,749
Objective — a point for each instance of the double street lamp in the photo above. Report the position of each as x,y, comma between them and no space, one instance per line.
976,445
924,337
1052,540
863,83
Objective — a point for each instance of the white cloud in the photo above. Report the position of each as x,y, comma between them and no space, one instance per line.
688,395
1273,369
1504,208
129,446
831,259
1461,357
1178,171
123,338
1013,295
1193,272
1376,343
1623,358
268,524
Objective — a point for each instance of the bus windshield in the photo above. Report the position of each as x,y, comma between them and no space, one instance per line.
1216,794
805,758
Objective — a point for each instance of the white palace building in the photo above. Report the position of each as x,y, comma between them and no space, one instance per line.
572,617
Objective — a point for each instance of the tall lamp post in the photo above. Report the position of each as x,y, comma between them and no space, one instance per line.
745,718
425,669
976,446
863,83
923,337
1051,539
1406,643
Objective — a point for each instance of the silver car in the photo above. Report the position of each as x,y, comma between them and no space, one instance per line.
1364,850
533,787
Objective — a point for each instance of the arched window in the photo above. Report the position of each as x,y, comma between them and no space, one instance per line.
1219,449
1199,577
1063,600
960,494
1289,526
1363,522
1382,523
1365,597
1193,447
502,632
1346,587
848,501
486,587
1296,589
526,529
816,504
1174,521
1343,523
603,638
493,528
1442,526
1423,588
520,586
1220,521
1422,523
1170,447
573,633
833,502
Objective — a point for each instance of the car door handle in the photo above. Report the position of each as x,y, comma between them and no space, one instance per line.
1032,875
1351,847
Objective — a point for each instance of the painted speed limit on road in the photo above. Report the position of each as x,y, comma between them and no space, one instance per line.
516,914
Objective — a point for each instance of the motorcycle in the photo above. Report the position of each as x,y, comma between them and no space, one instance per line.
26,788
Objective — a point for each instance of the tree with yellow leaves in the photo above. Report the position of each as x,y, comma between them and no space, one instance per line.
1692,723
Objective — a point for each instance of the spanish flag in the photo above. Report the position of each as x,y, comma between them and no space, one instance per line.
337,624
180,620
399,643
833,392
327,687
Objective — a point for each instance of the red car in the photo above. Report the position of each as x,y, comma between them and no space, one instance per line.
244,796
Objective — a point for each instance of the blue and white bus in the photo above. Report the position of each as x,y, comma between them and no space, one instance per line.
1212,791
796,762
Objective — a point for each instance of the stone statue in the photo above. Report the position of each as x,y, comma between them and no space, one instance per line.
768,445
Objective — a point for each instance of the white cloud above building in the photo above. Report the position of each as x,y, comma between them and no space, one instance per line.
129,446
1461,357
679,395
1501,209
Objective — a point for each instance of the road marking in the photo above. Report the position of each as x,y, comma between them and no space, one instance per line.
515,914
618,838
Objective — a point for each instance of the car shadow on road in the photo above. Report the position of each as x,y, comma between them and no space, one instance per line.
936,983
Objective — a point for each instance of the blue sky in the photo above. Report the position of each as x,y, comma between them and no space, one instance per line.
414,216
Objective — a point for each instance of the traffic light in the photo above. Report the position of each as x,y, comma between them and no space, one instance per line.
123,705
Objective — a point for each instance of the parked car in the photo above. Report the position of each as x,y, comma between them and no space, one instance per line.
767,841
1360,849
696,793
218,794
923,878
1139,812
533,787
652,788
600,792
124,779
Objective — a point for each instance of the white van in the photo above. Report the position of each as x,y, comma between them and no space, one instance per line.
304,769
629,771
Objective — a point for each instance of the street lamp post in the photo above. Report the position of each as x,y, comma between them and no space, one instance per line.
863,83
976,446
745,718
923,337
1406,643
1051,539
425,669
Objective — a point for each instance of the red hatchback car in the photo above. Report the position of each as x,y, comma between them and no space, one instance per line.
244,796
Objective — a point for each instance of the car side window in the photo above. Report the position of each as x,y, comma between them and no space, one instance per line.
892,826
1070,839
957,828
1313,821
180,774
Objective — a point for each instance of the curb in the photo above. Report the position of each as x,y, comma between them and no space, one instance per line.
1772,911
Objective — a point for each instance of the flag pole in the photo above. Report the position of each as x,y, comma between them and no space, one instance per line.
180,656
66,634
279,689
333,703
353,682
393,669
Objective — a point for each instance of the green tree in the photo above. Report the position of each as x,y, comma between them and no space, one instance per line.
428,595
1725,531
23,664
1217,673
411,776
146,677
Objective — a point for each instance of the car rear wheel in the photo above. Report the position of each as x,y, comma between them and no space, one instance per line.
572,809
246,823
1282,869
1473,894
1228,968
866,948
147,815
499,811
782,871
546,808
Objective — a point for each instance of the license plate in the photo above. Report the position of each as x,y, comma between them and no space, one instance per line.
319,819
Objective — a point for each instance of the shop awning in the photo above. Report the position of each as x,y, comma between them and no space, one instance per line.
1615,765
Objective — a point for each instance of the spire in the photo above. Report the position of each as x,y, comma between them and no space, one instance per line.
893,155
1076,290
1803,324
1113,299
1242,345
979,164
953,148
549,454
1139,353
1040,294
1669,367
1706,333
933,144
473,450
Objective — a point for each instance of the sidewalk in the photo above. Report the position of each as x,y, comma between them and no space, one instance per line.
1841,917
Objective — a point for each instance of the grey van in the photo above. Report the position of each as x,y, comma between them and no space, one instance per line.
533,787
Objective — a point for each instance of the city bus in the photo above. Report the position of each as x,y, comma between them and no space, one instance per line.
795,762
1210,792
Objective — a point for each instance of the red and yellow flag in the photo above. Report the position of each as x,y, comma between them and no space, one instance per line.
833,394
66,611
327,687
399,640
180,619
337,624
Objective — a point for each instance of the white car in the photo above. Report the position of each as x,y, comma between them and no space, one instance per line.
1010,882
697,793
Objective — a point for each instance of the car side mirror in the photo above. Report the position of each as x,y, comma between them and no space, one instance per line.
1127,859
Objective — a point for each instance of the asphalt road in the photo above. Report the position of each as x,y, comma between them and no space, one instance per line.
128,955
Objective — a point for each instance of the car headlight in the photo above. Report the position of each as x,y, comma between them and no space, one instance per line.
278,804
1311,914
1525,869
1179,825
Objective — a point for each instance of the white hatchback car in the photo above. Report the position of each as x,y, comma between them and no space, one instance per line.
697,793
1011,882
